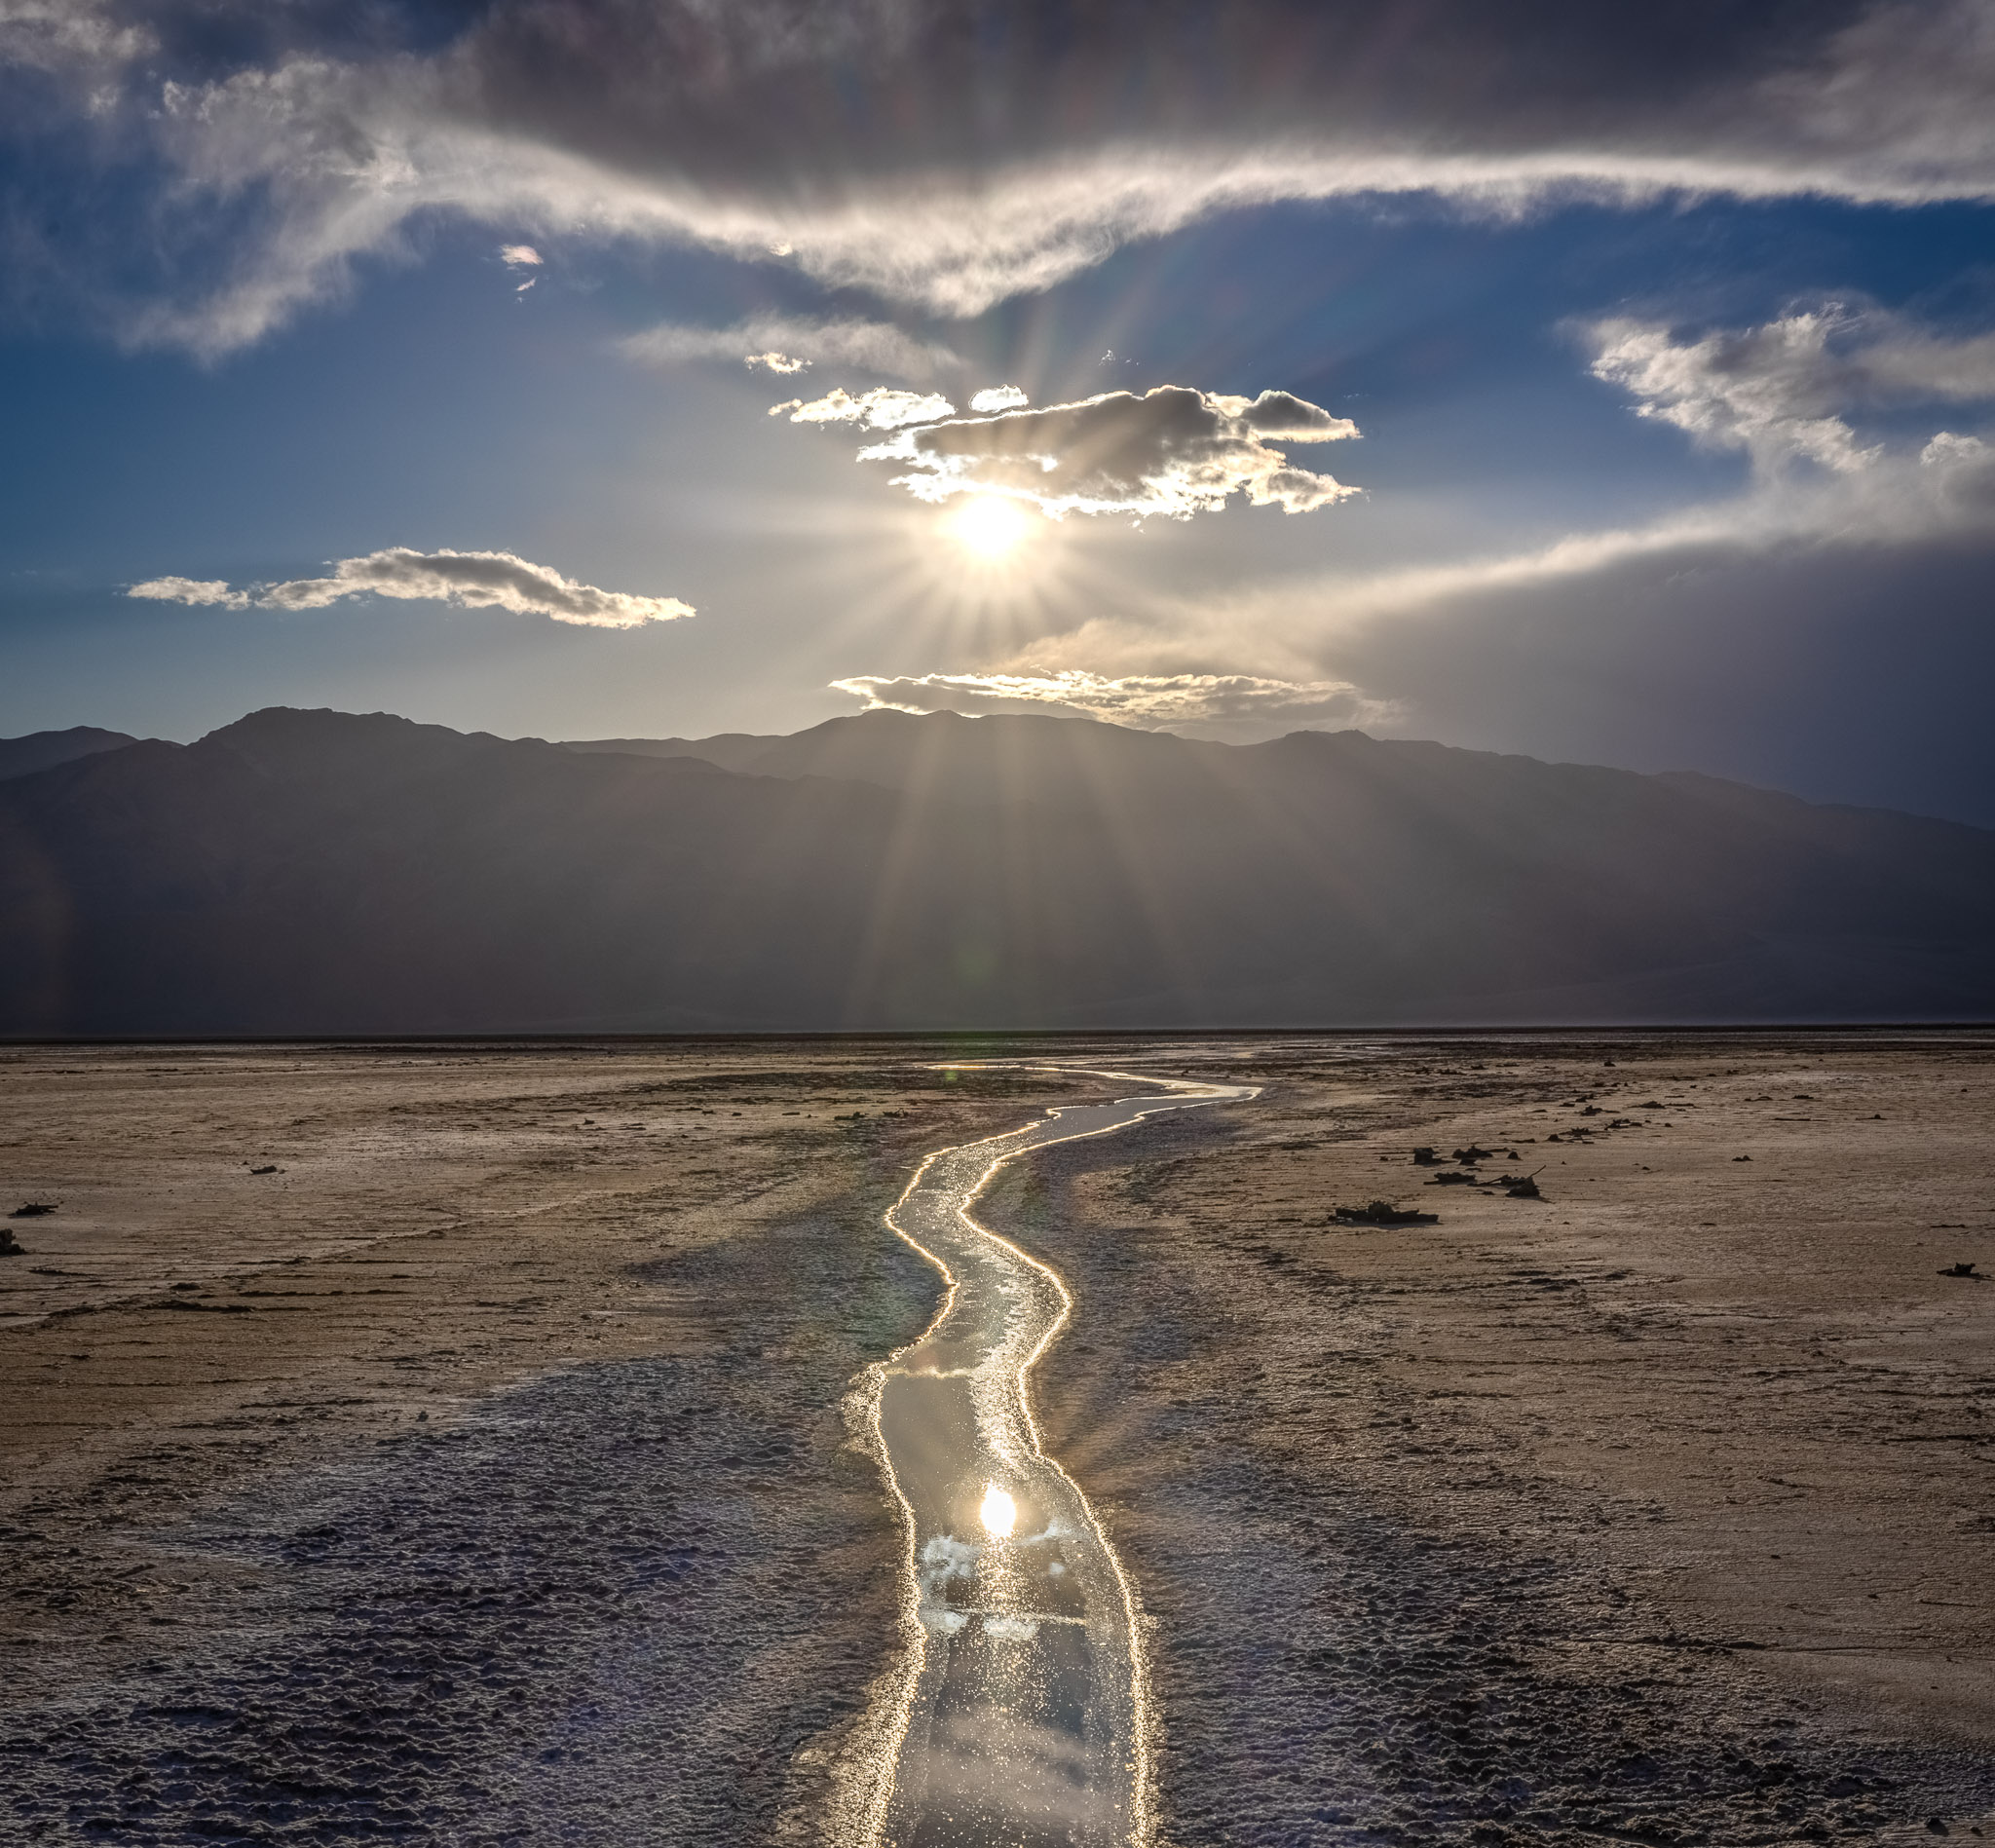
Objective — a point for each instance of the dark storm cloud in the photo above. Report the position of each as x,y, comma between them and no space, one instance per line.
1173,451
945,154
1843,672
764,87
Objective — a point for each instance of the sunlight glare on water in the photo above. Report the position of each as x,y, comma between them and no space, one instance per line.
1019,1713
1000,1513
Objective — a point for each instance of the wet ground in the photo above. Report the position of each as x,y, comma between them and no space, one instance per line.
1023,1721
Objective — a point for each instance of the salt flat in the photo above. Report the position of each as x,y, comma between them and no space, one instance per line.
484,1472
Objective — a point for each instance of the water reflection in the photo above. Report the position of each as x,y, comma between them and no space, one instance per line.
1000,1513
1021,1712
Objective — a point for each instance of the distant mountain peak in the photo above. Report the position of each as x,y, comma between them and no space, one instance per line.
44,750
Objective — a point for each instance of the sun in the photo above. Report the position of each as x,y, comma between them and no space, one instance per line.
991,526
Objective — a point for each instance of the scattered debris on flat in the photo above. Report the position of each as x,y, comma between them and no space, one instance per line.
1384,1213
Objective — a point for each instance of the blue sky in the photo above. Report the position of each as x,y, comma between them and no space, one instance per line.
1670,348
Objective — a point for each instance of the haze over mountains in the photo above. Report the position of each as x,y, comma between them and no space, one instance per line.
324,872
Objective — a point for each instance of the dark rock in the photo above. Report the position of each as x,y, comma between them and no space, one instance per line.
1384,1213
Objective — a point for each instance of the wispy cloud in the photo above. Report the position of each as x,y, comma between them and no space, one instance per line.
1145,701
880,408
1172,452
1786,390
789,343
193,591
853,138
480,580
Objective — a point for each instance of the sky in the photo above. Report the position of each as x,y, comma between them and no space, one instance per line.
1612,385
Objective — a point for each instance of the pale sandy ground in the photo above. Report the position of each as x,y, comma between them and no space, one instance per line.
478,1476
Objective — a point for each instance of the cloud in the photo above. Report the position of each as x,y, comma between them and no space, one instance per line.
1947,450
910,148
60,36
1785,391
999,397
1173,452
1934,497
1802,388
1543,630
519,255
785,344
480,580
1751,392
1143,700
878,409
194,591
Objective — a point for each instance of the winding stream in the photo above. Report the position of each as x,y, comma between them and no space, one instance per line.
1020,1713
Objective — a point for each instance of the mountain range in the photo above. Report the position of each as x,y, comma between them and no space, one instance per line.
303,872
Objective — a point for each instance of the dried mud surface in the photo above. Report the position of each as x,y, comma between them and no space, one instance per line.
479,1474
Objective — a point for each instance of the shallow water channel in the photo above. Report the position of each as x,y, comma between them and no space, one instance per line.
1022,1707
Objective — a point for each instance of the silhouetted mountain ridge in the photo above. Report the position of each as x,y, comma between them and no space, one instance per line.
319,872
42,750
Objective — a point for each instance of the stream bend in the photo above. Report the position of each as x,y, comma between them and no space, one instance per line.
1018,1718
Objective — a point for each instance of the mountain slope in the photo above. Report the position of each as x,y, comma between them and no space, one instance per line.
40,750
317,871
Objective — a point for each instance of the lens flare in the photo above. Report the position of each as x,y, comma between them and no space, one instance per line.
990,525
1000,1513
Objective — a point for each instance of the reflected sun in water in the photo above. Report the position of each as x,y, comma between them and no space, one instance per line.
1000,1513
